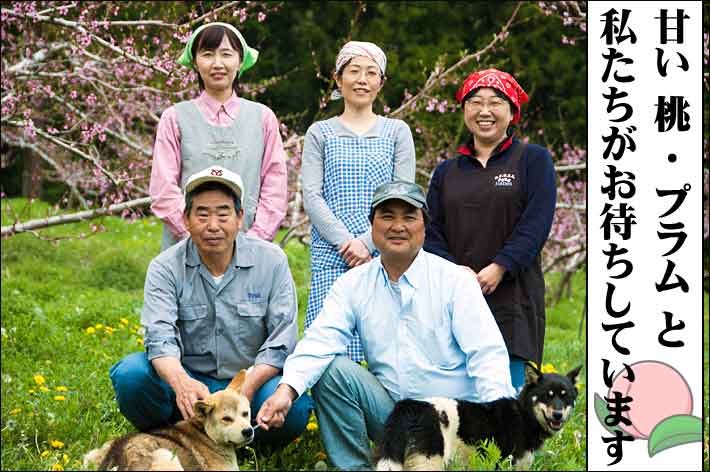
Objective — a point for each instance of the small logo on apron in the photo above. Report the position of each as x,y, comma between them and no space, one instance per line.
504,180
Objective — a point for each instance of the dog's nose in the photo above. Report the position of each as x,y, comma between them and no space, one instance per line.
557,415
248,432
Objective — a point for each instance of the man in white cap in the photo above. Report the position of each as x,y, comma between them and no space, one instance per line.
216,302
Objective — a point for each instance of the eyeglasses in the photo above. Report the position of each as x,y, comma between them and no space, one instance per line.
476,104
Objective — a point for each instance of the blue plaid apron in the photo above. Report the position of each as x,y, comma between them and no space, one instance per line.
352,169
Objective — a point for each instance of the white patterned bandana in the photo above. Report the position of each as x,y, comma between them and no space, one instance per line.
358,48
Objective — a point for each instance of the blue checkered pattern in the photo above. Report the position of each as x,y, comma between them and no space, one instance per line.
352,169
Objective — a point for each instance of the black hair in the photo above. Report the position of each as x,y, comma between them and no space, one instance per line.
499,94
212,185
339,72
210,38
425,214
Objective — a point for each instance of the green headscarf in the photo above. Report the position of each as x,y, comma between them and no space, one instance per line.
250,54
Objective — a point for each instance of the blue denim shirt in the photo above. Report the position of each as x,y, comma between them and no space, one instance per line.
429,334
216,329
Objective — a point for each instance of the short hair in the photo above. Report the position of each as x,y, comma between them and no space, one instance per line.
212,185
499,94
425,214
210,38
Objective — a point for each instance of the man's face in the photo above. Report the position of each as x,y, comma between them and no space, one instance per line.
398,229
213,223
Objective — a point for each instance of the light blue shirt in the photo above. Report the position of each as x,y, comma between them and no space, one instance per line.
429,334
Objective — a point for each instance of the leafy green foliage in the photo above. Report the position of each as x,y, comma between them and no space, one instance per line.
61,323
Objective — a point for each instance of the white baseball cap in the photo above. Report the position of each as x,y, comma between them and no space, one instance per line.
216,174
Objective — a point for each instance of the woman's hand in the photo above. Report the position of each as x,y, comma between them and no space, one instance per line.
489,277
354,252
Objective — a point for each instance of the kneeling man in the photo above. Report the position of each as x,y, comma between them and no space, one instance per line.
216,302
425,327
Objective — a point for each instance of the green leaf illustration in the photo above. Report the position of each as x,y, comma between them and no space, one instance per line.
601,410
674,431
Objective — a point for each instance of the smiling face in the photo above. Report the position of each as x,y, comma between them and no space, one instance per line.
218,67
487,116
398,230
360,81
213,223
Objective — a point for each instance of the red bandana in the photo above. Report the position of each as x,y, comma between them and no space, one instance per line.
496,79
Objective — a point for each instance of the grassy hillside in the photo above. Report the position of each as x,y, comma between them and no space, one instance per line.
71,309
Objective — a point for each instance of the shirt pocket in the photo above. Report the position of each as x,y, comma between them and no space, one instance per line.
194,328
251,326
439,345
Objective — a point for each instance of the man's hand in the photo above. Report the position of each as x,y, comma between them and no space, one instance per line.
187,390
274,410
489,277
354,252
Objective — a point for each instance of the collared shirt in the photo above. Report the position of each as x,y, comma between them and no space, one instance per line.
216,329
430,334
168,201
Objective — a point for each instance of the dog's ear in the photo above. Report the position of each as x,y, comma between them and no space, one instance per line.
203,408
573,374
532,374
238,381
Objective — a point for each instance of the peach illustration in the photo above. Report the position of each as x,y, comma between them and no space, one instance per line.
658,391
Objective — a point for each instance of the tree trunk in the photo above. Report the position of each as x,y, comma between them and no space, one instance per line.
31,176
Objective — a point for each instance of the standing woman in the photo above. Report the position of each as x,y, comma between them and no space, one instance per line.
220,128
344,159
491,210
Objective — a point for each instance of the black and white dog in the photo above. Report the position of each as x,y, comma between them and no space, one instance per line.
424,435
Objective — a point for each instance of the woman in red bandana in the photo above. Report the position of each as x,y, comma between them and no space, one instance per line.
491,210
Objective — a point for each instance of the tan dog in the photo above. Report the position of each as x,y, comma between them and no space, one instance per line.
221,423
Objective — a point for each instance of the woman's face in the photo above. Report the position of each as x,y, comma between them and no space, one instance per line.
218,67
487,116
360,81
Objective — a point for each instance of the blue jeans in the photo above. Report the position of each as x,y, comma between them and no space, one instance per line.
517,372
352,407
147,401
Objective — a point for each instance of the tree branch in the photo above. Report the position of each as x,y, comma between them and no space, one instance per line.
16,228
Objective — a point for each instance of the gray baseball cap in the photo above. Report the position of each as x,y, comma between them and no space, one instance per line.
399,189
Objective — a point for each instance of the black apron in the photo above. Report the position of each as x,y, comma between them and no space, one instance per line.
481,208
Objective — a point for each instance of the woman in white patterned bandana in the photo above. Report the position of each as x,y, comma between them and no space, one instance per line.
344,159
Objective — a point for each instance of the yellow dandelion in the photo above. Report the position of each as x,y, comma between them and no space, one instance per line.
98,326
44,389
31,391
548,369
45,453
56,444
65,459
312,427
139,341
57,466
15,411
39,379
60,398
60,388
320,456
123,321
109,329
90,330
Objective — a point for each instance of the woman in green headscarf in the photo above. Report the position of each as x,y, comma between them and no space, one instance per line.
219,127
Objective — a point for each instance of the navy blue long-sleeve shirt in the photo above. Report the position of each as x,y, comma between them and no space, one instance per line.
538,180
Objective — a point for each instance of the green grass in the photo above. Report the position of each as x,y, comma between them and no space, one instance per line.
51,294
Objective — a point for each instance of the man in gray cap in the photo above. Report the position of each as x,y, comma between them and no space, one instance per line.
425,327
214,303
